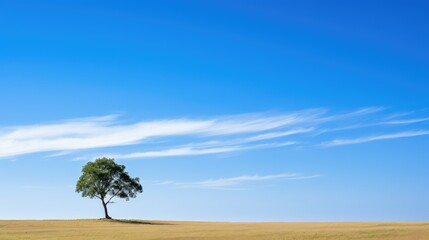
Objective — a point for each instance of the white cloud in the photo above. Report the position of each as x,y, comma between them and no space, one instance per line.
104,132
234,182
89,133
203,136
248,123
278,134
338,142
190,151
354,114
407,121
184,151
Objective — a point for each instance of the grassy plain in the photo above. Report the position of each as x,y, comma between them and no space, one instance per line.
127,230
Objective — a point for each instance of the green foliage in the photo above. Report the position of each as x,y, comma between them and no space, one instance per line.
105,179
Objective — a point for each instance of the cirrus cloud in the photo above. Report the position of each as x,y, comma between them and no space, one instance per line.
203,136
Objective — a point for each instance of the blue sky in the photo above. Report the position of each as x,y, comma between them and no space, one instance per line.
226,110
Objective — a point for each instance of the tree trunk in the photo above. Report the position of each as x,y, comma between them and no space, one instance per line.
106,214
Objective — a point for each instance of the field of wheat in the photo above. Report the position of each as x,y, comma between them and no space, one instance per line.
129,229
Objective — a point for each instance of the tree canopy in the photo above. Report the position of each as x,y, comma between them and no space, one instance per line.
104,179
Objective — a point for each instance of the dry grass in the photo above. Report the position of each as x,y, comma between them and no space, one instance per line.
125,230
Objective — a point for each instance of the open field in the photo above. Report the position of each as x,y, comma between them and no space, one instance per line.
102,229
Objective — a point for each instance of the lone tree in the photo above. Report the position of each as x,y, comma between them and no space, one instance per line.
104,179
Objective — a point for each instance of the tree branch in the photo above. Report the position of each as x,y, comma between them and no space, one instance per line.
114,195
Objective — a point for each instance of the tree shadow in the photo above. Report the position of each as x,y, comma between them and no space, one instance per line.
129,221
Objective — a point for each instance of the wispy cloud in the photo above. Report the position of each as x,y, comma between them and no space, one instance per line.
105,132
277,134
189,151
354,114
185,151
235,183
204,136
338,142
407,121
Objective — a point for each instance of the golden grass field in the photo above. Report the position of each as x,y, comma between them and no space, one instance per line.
126,230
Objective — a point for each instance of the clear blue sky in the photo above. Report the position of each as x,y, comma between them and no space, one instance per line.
226,110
